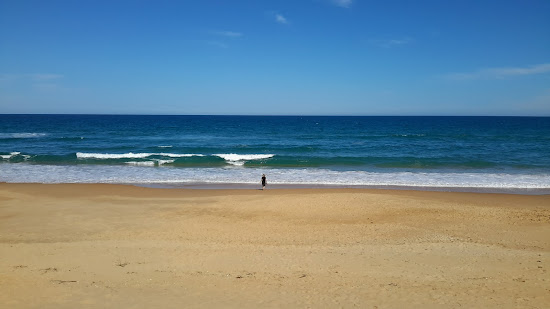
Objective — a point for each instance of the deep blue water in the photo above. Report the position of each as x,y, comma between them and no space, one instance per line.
483,152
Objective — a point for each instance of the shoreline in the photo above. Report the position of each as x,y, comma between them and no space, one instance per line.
250,186
123,246
219,178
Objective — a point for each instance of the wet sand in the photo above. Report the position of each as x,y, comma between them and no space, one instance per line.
117,246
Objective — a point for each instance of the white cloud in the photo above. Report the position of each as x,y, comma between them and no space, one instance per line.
230,34
342,3
392,42
281,19
500,73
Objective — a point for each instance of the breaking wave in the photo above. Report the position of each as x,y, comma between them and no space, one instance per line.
131,155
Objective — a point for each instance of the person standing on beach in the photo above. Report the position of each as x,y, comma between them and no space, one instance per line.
264,182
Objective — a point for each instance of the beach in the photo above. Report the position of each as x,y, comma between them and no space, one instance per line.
122,246
404,150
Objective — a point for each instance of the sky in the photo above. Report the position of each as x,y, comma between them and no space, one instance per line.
260,57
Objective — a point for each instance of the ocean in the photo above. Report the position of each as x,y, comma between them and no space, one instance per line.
487,154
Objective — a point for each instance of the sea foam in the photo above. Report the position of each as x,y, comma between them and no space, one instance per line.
141,163
30,173
239,159
161,162
7,157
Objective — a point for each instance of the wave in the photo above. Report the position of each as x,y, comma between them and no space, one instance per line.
231,158
177,155
21,135
278,161
161,162
239,160
15,157
9,156
131,155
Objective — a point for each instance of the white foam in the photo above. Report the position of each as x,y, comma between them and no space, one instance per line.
161,162
236,163
22,135
82,155
239,160
246,157
13,154
168,146
131,155
178,155
81,173
141,163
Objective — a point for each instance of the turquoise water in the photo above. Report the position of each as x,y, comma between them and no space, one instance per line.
439,152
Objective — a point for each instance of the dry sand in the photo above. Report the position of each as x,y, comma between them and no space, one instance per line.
116,246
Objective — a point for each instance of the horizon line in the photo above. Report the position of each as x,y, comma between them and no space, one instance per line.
273,115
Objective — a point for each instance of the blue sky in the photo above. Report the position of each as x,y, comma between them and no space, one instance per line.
299,57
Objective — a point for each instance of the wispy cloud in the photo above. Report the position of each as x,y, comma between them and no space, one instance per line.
223,37
500,73
343,3
281,19
388,43
230,34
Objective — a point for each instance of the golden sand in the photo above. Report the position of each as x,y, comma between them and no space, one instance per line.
116,246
